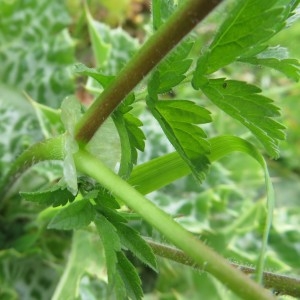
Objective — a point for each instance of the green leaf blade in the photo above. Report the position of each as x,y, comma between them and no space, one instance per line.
242,102
130,277
182,131
132,240
247,27
54,196
75,216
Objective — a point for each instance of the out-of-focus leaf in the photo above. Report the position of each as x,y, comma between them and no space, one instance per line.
86,257
36,49
112,47
276,58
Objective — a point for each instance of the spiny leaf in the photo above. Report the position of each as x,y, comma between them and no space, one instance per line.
179,119
276,58
130,277
77,215
248,26
55,196
244,103
132,240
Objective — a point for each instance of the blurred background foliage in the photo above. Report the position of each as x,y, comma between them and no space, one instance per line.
40,41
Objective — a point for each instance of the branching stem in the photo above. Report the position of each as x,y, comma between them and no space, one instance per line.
213,263
280,284
152,52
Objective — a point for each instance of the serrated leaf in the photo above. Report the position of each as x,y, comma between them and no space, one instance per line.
36,49
130,277
131,136
77,215
54,196
132,240
179,120
112,245
244,103
247,26
276,58
172,69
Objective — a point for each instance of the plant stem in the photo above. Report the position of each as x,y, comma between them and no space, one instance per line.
280,284
51,149
167,37
210,261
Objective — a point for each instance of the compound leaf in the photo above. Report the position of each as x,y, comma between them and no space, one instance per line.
247,27
243,102
75,216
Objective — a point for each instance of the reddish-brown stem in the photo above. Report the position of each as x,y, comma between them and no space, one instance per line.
157,47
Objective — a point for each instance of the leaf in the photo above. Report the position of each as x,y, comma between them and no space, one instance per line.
130,277
84,258
36,49
101,49
276,58
75,216
131,136
161,11
104,80
112,47
174,66
244,103
247,26
132,240
179,120
112,245
55,196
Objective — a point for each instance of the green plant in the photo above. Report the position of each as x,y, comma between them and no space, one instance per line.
87,196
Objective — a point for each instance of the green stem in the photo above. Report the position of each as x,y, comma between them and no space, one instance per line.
195,249
51,149
153,51
280,284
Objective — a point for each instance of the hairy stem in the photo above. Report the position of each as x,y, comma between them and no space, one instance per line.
157,47
280,284
213,263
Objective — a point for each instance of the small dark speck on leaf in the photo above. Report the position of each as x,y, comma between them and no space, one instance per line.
225,85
